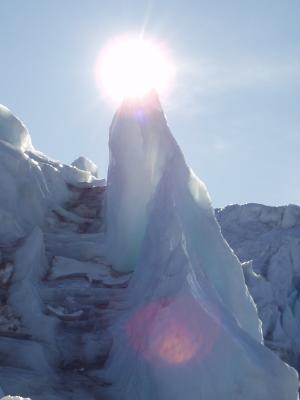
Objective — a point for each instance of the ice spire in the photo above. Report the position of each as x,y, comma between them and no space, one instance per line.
191,329
140,144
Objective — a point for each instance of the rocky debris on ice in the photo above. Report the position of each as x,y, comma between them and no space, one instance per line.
270,237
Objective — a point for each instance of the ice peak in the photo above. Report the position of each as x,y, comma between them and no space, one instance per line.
149,102
160,225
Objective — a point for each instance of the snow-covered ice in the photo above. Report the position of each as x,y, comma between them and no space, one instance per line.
13,131
14,398
86,165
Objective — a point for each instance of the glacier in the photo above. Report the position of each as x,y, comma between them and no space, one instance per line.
127,288
266,240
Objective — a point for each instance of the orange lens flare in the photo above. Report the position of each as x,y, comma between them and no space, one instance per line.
176,345
176,334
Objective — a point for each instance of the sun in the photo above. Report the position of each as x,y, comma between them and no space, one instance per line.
130,66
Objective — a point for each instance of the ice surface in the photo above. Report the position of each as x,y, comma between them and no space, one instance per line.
191,329
30,268
63,267
27,193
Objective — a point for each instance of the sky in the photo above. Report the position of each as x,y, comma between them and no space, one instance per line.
234,107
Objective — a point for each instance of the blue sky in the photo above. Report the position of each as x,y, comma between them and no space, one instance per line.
235,108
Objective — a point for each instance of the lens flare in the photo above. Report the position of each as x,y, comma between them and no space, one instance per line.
176,345
177,334
131,66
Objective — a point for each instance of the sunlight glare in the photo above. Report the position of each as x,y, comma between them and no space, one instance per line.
131,67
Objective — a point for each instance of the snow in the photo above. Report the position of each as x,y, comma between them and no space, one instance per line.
13,131
86,165
14,398
270,237
160,217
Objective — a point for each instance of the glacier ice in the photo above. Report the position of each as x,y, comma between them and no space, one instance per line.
191,329
137,184
269,236
137,159
31,267
41,197
147,303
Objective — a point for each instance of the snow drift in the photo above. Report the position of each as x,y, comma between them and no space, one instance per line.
191,329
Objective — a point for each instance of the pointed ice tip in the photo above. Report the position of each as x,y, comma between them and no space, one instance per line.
151,99
148,102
